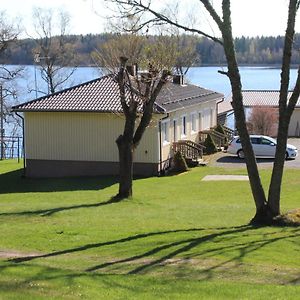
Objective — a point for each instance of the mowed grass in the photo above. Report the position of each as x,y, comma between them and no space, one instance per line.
177,238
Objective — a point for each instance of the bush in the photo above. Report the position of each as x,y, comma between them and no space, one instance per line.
219,128
210,146
179,163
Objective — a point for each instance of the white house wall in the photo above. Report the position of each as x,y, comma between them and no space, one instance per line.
82,137
205,118
294,128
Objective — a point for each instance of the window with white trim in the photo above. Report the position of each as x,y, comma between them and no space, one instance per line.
183,126
165,131
206,118
194,122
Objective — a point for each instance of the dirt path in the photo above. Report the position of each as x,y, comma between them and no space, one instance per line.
16,254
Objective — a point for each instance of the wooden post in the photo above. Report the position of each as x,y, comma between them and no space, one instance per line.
18,149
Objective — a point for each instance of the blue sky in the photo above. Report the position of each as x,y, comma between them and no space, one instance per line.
249,17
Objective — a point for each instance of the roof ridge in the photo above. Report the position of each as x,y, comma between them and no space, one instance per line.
188,98
263,90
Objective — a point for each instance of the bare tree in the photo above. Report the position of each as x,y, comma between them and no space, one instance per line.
138,93
187,53
9,31
266,208
137,96
53,53
263,120
108,54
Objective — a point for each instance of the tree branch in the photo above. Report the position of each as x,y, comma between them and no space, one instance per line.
137,8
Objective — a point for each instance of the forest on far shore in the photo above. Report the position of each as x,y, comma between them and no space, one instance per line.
250,50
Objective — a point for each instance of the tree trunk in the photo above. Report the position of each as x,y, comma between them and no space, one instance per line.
276,179
125,148
285,112
237,104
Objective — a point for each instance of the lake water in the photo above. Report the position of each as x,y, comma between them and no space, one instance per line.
259,78
253,78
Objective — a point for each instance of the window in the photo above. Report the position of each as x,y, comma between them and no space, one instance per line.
194,122
183,125
255,141
200,121
175,130
165,131
206,118
266,142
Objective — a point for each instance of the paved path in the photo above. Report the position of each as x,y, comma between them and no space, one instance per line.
226,160
225,178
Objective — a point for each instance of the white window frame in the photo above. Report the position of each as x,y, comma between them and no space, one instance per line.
165,131
194,122
206,118
183,125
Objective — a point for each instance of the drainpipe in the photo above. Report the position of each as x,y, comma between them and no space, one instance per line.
23,145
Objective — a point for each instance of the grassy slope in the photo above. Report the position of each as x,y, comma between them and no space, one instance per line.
178,238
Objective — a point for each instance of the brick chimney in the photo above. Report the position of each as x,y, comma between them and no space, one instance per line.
178,79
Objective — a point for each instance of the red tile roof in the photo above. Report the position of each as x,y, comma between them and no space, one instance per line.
102,95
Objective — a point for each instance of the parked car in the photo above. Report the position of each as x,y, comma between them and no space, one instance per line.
263,146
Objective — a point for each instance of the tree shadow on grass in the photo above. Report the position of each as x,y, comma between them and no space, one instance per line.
199,244
51,211
13,182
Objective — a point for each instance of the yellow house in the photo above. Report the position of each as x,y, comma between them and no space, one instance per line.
73,132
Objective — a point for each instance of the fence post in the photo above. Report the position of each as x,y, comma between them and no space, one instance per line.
18,149
1,124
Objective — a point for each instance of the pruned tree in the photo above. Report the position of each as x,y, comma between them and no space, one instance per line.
52,52
137,96
138,92
266,207
263,120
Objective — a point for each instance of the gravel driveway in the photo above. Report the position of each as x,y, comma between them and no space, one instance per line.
226,160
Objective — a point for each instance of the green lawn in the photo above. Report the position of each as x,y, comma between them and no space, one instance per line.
178,238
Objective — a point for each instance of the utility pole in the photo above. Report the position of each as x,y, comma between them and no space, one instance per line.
1,124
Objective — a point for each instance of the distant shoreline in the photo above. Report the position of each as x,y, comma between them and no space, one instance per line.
266,66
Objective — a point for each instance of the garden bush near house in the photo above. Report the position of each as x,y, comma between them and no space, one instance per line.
219,128
179,163
210,146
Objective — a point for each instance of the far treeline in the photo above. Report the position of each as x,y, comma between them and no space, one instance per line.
252,51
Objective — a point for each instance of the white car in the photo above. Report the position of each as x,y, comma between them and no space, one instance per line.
263,146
